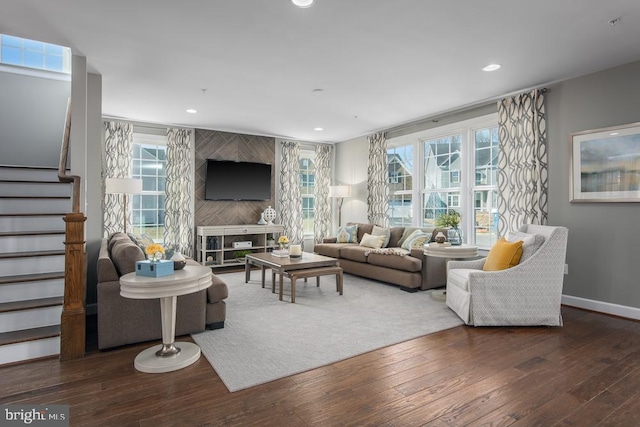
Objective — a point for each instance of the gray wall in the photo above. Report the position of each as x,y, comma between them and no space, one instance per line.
32,116
603,255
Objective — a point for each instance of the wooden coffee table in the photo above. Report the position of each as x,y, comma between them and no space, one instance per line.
282,265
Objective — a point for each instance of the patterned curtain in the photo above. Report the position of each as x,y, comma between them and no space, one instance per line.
178,206
290,203
523,177
378,181
322,213
118,141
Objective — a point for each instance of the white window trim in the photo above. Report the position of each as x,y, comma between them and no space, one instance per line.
465,128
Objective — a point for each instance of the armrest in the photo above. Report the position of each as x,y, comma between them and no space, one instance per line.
330,240
475,264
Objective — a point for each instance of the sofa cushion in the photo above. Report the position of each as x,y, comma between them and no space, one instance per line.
381,231
404,263
330,249
362,228
348,234
355,253
410,230
416,239
503,255
371,241
395,236
124,255
115,237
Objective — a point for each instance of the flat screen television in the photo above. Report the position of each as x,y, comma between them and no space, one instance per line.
229,180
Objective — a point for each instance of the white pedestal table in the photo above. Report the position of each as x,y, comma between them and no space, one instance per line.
171,355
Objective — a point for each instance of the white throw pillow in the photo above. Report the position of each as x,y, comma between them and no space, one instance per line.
370,241
530,242
379,231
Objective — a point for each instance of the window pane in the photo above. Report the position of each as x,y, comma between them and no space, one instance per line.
486,217
400,163
486,156
442,163
435,204
33,59
307,188
11,55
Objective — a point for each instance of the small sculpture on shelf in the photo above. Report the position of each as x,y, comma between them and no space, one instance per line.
269,214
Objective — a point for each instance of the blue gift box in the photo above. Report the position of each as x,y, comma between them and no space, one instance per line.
160,268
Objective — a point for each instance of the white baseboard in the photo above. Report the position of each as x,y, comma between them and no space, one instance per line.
602,307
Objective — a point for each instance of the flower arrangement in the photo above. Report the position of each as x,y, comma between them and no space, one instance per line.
449,219
154,251
283,241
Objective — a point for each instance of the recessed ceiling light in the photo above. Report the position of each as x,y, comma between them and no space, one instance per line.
192,111
302,3
318,129
491,67
614,133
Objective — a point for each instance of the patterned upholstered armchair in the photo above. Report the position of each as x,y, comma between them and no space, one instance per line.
526,294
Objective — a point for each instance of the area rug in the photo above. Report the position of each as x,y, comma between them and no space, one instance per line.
265,339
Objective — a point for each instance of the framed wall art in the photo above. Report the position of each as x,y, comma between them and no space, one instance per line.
605,164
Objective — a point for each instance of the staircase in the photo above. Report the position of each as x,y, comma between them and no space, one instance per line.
32,261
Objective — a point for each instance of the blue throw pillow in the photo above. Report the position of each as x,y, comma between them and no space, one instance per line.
348,234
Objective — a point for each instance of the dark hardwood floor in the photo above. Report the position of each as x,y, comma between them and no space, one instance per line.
586,373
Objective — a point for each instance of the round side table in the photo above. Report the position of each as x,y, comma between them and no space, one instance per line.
171,355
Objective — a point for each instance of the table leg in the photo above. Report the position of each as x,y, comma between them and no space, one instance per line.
293,289
168,314
263,268
171,355
247,271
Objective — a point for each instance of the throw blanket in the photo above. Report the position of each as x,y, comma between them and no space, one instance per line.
388,251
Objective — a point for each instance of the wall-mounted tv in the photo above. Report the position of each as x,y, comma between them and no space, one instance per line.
229,180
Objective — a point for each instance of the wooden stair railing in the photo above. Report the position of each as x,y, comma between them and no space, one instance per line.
72,324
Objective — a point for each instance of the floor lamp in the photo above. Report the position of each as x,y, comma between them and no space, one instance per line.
124,186
339,192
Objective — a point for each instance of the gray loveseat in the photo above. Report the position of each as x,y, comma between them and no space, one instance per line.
411,272
126,321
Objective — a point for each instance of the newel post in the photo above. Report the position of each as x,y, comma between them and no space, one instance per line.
73,327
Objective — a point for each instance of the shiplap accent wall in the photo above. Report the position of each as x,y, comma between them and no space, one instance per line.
230,146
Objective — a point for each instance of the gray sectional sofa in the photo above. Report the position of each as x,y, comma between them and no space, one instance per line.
126,321
411,272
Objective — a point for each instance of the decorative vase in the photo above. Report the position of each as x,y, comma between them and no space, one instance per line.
156,257
179,261
269,214
454,234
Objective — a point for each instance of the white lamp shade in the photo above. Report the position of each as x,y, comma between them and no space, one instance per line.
339,191
123,186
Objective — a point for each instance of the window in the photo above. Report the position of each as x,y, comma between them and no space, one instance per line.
400,161
34,54
149,163
307,187
458,168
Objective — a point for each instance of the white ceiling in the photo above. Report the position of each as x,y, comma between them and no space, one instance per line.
379,63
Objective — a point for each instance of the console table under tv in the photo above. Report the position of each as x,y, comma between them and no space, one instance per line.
215,244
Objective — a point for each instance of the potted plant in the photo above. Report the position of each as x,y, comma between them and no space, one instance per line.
451,220
240,255
271,241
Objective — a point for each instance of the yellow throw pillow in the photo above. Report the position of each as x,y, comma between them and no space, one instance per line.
370,241
503,255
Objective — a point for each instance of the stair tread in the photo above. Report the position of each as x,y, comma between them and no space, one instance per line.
31,277
35,197
33,214
31,181
7,307
29,334
31,254
30,233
